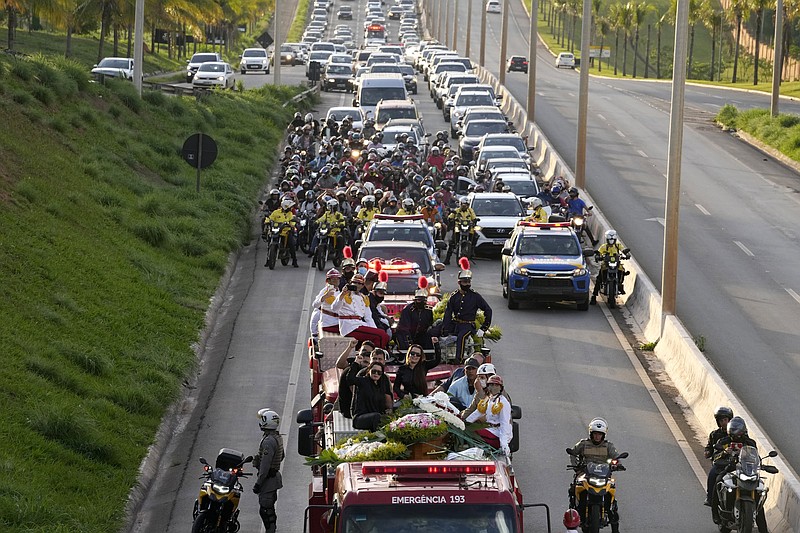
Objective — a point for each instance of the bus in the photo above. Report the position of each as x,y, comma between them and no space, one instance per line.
375,34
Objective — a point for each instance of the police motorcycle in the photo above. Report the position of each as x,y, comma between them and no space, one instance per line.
277,244
328,245
216,509
593,492
741,493
464,236
304,229
578,223
610,285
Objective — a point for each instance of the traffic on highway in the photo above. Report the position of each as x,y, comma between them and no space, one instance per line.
423,325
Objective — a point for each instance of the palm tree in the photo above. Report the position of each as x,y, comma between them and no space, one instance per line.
712,19
13,7
614,20
626,23
639,12
792,9
597,5
664,19
735,14
758,6
603,27
694,17
574,7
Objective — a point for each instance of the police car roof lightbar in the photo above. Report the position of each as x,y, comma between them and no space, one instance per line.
381,216
395,266
529,224
413,468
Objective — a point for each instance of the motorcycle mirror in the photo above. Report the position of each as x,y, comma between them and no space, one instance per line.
623,455
626,250
770,469
203,461
773,453
570,452
248,459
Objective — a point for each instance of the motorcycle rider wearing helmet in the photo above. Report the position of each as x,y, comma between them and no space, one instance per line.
462,308
268,462
436,159
464,213
321,160
576,206
611,249
431,215
391,205
368,131
408,207
539,214
285,215
355,316
310,120
495,410
297,121
336,224
368,209
596,449
722,415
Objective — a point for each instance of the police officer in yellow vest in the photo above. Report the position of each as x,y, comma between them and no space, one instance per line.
539,213
268,462
596,449
285,215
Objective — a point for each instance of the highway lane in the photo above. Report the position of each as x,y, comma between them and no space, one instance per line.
739,214
562,366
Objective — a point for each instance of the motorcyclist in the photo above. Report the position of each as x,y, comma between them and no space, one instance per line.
368,210
391,206
321,160
596,449
297,121
336,224
722,415
268,462
431,215
273,202
539,213
576,206
436,159
310,120
464,213
284,215
408,207
461,311
611,248
368,131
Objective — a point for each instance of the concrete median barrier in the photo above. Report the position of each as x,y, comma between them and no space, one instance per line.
692,374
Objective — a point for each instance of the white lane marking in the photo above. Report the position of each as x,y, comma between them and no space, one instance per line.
620,133
702,209
641,153
793,294
601,116
665,175
540,93
677,434
744,248
572,95
656,219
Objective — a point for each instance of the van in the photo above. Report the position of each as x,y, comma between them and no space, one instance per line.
320,46
372,88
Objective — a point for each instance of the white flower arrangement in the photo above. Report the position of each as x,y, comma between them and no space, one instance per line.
358,448
439,405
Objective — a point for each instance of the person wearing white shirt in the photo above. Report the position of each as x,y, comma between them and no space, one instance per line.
495,410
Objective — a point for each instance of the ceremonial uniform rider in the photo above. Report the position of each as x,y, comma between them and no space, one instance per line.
462,308
355,315
416,318
285,215
268,462
323,305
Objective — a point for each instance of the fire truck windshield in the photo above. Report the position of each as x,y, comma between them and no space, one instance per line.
441,518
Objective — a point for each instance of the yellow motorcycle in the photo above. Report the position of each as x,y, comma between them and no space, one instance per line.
593,493
216,509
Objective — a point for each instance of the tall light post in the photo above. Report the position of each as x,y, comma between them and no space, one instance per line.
469,27
669,270
504,42
439,21
483,36
778,60
583,96
455,25
138,46
448,33
533,40
276,50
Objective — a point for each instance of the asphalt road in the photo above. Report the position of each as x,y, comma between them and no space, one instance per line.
563,367
740,210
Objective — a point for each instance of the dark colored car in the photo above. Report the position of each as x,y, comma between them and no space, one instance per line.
518,63
474,132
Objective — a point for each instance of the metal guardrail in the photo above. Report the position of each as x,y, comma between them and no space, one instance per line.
303,95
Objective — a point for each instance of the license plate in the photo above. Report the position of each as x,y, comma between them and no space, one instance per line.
499,242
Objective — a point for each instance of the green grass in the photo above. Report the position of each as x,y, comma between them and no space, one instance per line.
781,132
108,258
299,22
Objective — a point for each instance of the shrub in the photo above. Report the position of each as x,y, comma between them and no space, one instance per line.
58,124
26,189
727,116
155,98
22,70
114,111
152,232
73,428
127,94
43,94
22,97
788,121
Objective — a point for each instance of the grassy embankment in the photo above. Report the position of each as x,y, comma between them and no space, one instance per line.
108,258
781,132
299,22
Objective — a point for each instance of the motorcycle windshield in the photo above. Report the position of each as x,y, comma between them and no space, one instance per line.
749,461
222,477
598,469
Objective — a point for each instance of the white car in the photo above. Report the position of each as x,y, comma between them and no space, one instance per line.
353,112
116,67
493,6
254,60
214,74
565,59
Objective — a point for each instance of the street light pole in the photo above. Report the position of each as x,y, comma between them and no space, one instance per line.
533,40
455,25
469,26
138,46
276,50
504,42
583,96
778,60
669,272
483,36
448,33
439,21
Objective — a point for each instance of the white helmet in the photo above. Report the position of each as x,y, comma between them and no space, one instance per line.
536,202
611,236
333,205
487,368
287,203
408,202
369,187
268,419
598,425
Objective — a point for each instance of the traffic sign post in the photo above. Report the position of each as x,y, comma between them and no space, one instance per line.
199,151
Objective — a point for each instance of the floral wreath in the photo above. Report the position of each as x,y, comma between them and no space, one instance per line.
439,405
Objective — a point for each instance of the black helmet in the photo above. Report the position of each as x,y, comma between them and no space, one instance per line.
573,191
737,428
723,411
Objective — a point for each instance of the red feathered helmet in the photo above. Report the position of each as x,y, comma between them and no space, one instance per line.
422,291
465,273
383,279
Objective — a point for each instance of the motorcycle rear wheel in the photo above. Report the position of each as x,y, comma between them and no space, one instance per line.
272,256
746,515
322,257
203,524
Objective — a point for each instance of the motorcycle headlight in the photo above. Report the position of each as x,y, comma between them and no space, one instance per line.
612,264
578,221
220,489
597,482
579,272
745,477
355,153
478,228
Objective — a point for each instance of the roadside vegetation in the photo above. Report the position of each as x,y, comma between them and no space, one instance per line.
108,258
299,22
781,132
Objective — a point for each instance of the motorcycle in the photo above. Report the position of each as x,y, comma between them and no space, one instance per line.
216,509
277,244
578,223
463,238
741,493
610,285
304,233
327,246
593,492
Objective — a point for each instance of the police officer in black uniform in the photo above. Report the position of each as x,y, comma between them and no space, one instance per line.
461,310
722,415
268,462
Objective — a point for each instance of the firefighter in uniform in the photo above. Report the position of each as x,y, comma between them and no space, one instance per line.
323,313
268,462
596,449
461,310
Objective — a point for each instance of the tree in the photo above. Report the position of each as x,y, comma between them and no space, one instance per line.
614,19
712,19
639,12
758,6
736,14
13,7
626,23
664,19
603,27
